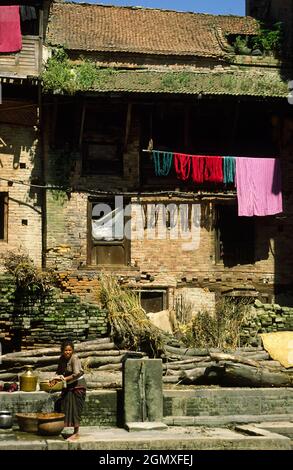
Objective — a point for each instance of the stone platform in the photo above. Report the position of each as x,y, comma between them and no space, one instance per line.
192,406
174,438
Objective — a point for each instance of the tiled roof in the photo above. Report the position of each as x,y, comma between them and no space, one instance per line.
89,27
241,83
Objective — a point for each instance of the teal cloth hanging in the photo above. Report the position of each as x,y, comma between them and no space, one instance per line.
162,162
229,168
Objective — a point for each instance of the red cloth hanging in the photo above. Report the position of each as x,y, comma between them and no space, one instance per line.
10,32
198,166
182,164
213,171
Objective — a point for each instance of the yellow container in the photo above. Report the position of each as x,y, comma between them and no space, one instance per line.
28,380
46,387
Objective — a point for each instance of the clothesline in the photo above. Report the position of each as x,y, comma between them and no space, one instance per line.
174,153
258,180
193,155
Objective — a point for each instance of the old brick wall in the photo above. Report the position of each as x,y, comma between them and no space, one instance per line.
21,148
27,322
265,318
105,408
166,259
67,224
227,402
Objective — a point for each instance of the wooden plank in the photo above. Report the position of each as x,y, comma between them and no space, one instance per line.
128,124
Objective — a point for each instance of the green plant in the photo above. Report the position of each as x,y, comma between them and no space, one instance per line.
86,74
58,76
173,81
240,44
269,40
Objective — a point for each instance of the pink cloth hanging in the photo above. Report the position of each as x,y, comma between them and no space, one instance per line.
10,32
182,164
214,170
198,164
259,183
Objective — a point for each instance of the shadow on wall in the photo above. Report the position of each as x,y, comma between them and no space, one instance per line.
283,251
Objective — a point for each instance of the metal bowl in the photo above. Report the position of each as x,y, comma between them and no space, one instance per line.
6,419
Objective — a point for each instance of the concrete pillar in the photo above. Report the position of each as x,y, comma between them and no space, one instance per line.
143,394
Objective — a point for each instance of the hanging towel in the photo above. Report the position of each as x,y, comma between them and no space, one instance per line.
213,171
10,33
198,165
182,164
229,168
258,182
109,227
28,13
162,163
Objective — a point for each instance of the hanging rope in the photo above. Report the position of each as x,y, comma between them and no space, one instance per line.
162,162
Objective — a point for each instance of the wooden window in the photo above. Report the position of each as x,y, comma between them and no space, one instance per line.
107,243
235,236
103,134
3,216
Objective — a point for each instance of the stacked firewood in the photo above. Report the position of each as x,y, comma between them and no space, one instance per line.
101,360
250,366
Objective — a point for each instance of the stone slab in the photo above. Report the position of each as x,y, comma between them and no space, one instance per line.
285,428
146,426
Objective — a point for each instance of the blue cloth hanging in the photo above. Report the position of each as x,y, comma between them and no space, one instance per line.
229,168
162,162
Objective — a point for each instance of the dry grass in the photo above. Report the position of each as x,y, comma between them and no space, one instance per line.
221,330
130,327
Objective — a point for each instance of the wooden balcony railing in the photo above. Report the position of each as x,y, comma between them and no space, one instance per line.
23,63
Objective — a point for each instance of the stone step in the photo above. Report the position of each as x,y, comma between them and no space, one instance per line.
224,420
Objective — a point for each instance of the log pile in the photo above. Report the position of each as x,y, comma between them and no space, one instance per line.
101,360
248,367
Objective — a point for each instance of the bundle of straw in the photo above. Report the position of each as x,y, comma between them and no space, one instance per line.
130,327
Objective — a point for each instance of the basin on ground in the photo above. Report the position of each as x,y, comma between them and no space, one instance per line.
50,424
27,422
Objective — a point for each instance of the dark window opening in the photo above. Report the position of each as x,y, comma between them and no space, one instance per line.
165,126
3,216
153,300
103,134
235,243
64,129
108,242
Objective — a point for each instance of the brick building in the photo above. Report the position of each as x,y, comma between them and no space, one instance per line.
21,204
172,81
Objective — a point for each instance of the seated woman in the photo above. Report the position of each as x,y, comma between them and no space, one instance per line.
72,398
